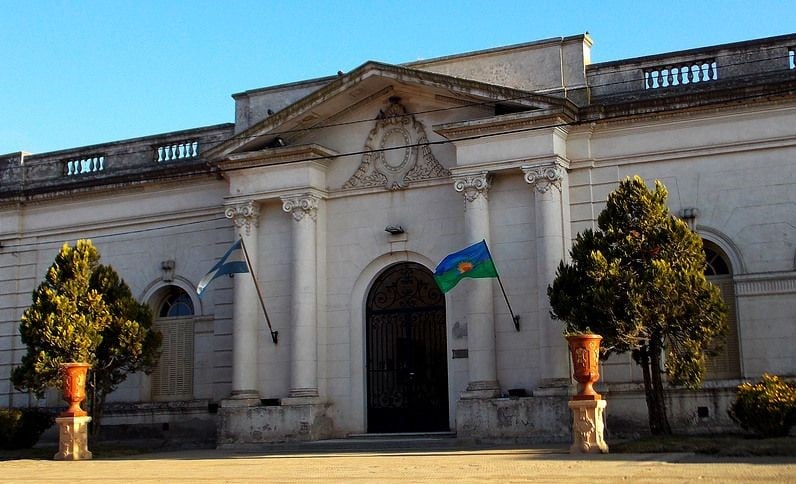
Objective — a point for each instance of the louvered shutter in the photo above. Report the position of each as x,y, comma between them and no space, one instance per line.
727,364
173,379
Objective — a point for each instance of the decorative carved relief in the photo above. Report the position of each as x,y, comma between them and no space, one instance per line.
300,206
244,215
396,152
473,186
544,176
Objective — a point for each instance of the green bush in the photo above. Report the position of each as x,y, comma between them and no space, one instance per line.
21,428
767,408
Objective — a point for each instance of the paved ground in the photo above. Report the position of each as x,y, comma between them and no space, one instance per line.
416,462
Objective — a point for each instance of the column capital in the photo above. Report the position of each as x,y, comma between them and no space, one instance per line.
244,215
544,176
301,205
473,185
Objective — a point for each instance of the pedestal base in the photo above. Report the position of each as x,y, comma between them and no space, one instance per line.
481,390
295,420
73,438
587,427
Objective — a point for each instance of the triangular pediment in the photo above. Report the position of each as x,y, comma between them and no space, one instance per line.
374,83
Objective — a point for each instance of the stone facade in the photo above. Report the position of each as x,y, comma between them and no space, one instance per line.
331,183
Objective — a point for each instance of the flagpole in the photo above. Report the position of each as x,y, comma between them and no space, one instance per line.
274,334
515,318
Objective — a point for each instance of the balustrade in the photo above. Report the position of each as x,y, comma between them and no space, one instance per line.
177,151
690,73
85,164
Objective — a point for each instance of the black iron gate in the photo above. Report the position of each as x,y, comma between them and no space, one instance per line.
407,371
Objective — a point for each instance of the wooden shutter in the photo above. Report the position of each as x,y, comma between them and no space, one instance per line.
727,364
173,379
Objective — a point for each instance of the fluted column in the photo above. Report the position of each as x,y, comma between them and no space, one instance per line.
551,246
245,312
304,344
482,363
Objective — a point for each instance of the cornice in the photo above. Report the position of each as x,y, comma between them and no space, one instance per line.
765,284
277,156
559,117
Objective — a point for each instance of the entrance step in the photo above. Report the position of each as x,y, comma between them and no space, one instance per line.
386,442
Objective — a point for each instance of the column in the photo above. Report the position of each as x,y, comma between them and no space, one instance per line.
246,312
304,344
482,363
551,247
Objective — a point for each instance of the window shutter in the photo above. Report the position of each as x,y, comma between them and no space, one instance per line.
727,364
173,379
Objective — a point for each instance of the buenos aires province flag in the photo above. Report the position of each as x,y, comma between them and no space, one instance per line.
474,261
222,267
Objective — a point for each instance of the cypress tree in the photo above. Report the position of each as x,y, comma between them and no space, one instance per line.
639,282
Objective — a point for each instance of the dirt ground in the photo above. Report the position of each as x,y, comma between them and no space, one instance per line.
412,465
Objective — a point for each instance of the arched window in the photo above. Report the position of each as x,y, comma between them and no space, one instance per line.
176,303
718,270
173,378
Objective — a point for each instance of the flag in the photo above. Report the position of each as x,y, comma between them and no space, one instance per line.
474,261
223,267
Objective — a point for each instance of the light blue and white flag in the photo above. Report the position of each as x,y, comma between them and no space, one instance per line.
223,267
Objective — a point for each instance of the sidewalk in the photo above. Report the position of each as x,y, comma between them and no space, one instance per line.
418,461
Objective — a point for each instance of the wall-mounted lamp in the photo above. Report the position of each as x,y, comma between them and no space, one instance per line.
689,215
394,229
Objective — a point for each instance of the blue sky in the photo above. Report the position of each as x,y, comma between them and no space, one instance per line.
76,73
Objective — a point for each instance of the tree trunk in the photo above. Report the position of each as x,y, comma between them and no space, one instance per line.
97,403
659,421
648,358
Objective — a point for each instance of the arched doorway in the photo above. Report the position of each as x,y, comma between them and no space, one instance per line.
407,368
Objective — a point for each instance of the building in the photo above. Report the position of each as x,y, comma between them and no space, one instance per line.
348,190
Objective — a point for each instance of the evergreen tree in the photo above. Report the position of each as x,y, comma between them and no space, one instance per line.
639,282
84,312
65,322
129,343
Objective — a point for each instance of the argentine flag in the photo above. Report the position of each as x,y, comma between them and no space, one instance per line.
223,267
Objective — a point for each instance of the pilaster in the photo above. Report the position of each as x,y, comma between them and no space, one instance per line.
245,312
482,363
549,182
304,345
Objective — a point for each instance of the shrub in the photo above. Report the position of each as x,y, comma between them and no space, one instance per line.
21,428
767,408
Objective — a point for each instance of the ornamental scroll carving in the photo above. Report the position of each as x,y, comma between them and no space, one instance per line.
543,177
301,206
396,152
473,186
244,215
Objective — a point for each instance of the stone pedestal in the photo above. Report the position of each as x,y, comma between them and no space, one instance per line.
515,419
587,427
295,420
73,438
